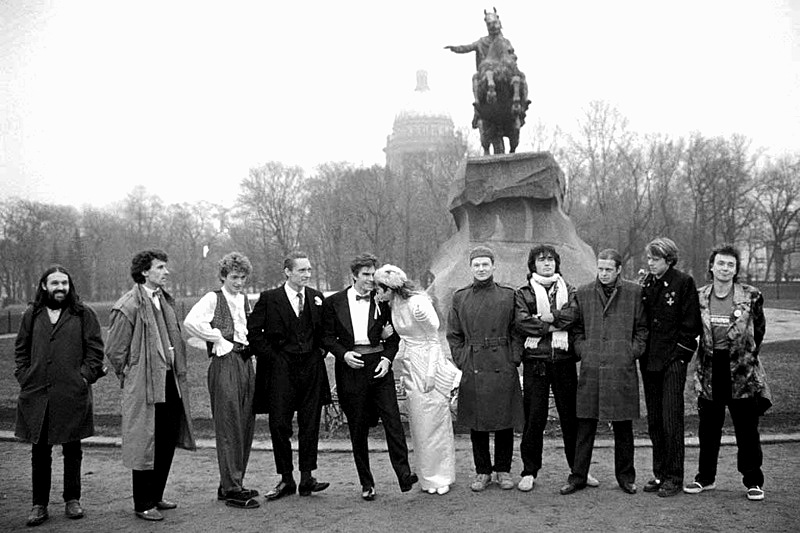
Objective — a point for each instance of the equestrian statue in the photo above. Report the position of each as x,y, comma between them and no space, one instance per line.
499,88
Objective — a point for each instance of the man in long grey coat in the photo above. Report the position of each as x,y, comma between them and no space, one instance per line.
148,354
610,334
58,355
485,347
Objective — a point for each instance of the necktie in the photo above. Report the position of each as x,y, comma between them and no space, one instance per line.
366,297
299,303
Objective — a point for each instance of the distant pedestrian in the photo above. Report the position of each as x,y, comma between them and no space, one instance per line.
58,356
219,320
485,347
147,351
673,319
610,335
729,372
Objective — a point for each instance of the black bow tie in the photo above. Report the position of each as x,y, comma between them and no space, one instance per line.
365,297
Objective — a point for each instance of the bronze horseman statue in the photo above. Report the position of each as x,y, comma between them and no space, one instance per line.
499,88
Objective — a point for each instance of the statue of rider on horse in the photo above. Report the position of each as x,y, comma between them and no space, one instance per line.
499,88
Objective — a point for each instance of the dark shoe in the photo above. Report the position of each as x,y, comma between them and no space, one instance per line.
570,488
281,489
222,495
165,505
241,499
38,515
408,482
151,515
368,493
652,486
628,487
312,485
668,489
73,509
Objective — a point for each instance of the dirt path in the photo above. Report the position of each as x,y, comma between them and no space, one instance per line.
106,497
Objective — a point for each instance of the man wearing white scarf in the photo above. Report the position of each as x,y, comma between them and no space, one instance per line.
544,312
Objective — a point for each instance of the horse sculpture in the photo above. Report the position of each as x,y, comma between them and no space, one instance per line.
499,88
501,98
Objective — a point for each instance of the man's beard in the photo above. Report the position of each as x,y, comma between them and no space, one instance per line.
52,303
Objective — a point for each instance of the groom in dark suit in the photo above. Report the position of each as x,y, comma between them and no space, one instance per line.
354,325
285,331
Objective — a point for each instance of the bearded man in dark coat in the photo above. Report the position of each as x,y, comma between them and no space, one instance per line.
484,346
58,355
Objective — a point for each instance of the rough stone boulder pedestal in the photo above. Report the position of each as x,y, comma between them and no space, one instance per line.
508,202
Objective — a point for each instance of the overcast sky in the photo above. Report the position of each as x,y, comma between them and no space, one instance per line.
184,96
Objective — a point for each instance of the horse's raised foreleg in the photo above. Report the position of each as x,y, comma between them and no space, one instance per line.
491,92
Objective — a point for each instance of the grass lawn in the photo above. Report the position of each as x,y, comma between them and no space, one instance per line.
781,361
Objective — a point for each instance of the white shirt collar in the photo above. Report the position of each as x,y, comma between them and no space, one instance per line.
291,293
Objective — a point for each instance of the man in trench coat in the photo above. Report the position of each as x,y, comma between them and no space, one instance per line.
610,334
484,346
58,355
147,351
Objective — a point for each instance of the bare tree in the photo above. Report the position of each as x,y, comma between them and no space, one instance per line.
778,199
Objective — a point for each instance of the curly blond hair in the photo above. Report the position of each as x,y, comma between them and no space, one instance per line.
392,277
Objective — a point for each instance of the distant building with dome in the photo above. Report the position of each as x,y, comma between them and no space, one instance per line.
422,130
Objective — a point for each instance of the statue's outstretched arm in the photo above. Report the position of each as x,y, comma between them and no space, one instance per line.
463,48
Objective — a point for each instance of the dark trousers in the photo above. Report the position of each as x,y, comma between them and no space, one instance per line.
41,468
624,470
361,397
148,485
744,414
296,384
231,385
537,379
663,395
503,450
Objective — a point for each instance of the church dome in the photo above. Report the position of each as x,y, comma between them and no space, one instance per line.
422,124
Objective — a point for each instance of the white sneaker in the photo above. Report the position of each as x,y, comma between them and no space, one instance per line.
481,482
695,487
526,483
505,480
755,494
441,491
591,481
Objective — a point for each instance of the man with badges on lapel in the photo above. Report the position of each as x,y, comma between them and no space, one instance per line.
354,327
285,331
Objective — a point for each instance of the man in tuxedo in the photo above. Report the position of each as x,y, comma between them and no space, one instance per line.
285,332
353,326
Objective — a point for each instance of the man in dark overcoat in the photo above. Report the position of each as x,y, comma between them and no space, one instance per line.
484,345
58,355
610,334
285,330
355,332
673,318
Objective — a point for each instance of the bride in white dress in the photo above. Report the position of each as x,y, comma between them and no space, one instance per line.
429,379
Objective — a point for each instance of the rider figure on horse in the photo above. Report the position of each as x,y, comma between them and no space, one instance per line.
491,49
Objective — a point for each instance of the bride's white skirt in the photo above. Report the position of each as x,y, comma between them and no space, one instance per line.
430,421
